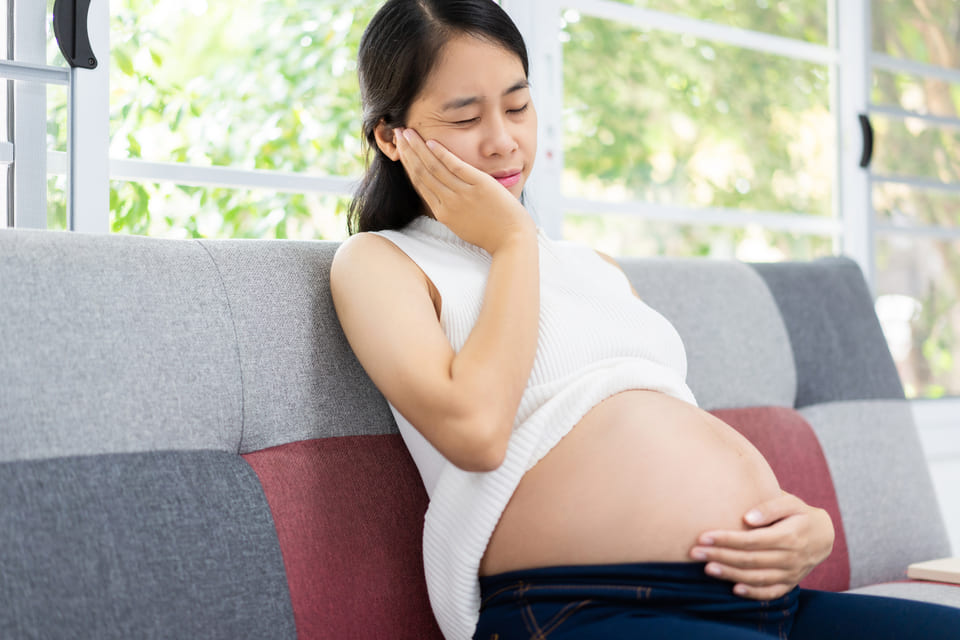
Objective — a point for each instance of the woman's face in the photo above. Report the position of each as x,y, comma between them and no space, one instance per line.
476,102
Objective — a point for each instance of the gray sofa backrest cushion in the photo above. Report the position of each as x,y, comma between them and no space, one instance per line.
113,344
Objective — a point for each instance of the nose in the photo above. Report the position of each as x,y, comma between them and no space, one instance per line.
498,140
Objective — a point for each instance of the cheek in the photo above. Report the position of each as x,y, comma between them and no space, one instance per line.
461,145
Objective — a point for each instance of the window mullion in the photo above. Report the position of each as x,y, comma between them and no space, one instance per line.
851,76
89,166
29,118
539,21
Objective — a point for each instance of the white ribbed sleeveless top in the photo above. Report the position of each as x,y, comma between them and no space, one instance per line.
595,339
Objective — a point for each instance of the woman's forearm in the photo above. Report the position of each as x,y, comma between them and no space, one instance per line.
490,372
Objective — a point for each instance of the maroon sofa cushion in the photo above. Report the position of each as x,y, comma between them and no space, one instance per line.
790,445
349,515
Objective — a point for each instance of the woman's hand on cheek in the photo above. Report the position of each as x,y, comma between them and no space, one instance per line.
474,205
787,539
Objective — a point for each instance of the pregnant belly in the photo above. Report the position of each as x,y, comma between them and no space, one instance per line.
638,479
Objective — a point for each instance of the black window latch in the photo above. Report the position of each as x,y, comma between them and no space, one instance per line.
70,29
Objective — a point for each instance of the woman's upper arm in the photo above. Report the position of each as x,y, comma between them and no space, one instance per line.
384,305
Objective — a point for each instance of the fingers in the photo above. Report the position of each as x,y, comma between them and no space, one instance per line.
431,160
782,506
422,167
743,559
771,592
758,575
780,536
457,167
749,577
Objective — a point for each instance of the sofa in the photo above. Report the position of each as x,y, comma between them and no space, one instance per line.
189,449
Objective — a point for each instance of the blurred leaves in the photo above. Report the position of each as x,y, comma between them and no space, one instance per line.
261,85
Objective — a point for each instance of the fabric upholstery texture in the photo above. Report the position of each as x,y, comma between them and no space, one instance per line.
789,444
147,545
349,516
936,592
741,357
300,377
113,344
834,331
890,514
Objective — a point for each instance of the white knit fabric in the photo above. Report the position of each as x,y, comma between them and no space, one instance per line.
596,339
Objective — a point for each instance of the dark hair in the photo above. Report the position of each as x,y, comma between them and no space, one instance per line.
398,50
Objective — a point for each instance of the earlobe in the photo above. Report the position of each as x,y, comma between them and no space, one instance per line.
384,135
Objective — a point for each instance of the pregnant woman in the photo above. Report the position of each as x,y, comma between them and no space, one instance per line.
576,490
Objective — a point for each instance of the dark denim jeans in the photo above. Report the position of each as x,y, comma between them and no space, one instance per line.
679,601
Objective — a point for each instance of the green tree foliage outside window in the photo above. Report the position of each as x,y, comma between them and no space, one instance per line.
259,85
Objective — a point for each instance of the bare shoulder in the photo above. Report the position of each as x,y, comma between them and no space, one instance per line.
362,251
367,260
619,268
608,259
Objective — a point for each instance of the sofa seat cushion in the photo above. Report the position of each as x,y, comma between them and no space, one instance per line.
935,592
791,447
176,544
349,516
889,506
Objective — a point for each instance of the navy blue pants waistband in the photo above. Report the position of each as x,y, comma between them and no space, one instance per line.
666,601
571,601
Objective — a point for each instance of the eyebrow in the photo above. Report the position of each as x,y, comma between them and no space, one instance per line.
459,103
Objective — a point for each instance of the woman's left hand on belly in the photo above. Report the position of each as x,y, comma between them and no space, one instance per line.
786,539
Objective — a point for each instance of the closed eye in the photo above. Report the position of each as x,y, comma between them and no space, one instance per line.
520,110
466,122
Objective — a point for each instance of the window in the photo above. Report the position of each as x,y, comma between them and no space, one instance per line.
675,125
915,188
234,119
730,129
29,196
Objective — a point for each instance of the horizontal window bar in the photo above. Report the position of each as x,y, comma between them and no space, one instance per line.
743,38
180,173
795,222
229,177
903,114
927,231
34,72
919,183
889,63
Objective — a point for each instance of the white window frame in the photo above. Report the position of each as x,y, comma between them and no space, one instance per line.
25,153
87,123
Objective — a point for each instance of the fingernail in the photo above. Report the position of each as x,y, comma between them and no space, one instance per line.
706,540
754,516
713,570
740,590
408,134
432,145
699,555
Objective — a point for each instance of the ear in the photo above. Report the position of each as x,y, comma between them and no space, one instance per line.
384,135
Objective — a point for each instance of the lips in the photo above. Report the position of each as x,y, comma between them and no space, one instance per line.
508,178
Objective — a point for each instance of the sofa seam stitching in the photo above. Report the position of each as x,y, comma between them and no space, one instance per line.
236,342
